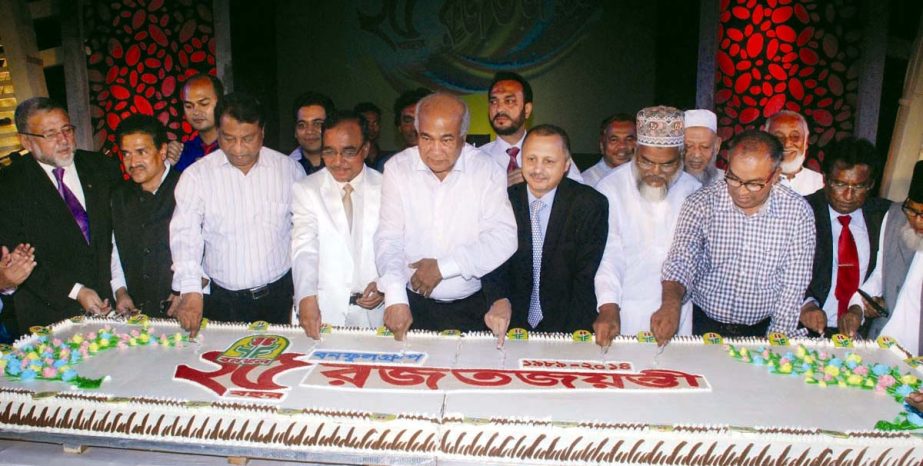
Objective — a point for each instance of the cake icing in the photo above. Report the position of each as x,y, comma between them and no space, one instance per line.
458,397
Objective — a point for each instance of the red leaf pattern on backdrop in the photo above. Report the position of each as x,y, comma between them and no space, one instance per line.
800,55
140,54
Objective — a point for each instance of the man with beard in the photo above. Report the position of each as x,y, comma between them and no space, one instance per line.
702,145
445,222
310,110
547,285
617,138
509,106
792,131
848,226
58,201
141,213
898,276
742,250
645,198
200,95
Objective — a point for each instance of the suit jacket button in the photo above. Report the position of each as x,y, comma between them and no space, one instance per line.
147,251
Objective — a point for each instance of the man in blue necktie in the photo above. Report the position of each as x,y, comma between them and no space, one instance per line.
547,285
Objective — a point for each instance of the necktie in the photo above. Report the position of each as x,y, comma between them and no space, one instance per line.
535,305
847,274
512,152
77,210
348,204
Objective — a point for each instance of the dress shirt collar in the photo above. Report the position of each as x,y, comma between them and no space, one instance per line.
505,145
355,182
856,215
459,164
49,169
548,198
770,207
259,160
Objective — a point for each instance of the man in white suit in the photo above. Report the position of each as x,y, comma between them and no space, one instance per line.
335,215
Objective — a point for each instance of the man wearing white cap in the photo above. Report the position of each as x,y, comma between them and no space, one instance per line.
791,129
702,145
645,197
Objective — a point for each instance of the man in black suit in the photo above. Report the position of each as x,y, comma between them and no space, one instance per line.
547,285
141,213
58,201
848,227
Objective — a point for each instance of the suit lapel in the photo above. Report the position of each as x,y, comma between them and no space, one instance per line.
562,200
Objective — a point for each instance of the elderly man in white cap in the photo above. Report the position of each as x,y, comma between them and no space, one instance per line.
645,198
702,145
791,129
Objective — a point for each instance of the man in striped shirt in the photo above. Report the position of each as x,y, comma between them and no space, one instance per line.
233,225
742,251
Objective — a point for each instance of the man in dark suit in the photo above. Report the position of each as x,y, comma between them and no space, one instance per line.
848,226
547,285
58,201
141,213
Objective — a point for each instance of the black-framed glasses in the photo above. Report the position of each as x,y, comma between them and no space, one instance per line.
752,186
911,212
839,186
66,130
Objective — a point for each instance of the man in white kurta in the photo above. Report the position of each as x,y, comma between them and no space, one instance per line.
792,131
335,215
645,197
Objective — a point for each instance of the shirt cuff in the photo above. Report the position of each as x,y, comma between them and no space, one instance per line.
448,268
117,283
75,291
396,294
608,297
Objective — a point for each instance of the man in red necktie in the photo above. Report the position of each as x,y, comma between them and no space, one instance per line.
848,227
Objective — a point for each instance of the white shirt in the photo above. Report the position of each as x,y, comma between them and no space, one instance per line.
231,227
72,181
904,323
496,149
640,235
592,175
465,222
295,154
805,182
860,233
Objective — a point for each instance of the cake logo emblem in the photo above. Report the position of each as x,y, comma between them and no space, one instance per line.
885,342
247,369
259,326
520,334
712,338
582,336
254,350
841,341
645,336
778,339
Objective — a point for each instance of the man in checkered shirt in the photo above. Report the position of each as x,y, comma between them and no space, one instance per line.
742,251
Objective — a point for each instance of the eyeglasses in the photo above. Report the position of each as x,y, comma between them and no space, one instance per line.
647,164
856,188
348,153
911,212
752,186
66,130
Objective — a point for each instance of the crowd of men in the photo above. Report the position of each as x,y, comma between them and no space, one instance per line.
444,235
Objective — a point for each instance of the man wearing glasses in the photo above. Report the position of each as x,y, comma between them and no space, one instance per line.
848,225
334,217
897,279
645,198
742,250
58,201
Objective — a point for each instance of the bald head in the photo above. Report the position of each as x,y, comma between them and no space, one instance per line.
442,123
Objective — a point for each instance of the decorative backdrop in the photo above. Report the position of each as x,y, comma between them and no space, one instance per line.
800,55
140,53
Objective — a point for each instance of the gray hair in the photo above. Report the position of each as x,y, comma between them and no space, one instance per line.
466,116
30,107
788,113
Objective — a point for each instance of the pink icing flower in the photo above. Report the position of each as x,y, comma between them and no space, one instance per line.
879,389
886,381
121,345
135,333
85,353
784,361
56,342
822,355
48,361
91,336
49,372
25,363
861,370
